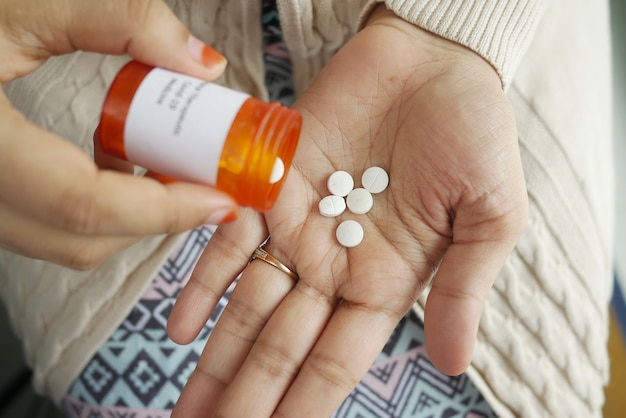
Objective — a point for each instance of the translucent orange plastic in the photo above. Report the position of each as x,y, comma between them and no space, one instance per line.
116,105
260,133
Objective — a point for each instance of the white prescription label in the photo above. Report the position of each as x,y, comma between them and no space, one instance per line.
177,125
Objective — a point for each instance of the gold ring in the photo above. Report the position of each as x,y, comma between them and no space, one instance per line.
261,254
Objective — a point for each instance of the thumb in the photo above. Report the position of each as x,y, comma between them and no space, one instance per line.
145,29
455,303
461,286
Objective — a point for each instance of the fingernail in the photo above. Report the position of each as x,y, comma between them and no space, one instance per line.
204,54
222,216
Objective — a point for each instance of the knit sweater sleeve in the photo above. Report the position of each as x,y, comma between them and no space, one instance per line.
498,30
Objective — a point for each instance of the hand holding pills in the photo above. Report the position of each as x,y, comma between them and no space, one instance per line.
453,208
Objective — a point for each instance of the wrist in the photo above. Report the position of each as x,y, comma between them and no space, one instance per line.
428,47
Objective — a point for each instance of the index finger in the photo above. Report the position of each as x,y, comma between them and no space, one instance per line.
145,29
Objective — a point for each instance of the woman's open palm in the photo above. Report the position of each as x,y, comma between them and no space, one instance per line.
434,115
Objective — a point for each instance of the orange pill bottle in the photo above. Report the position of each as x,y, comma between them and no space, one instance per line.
188,129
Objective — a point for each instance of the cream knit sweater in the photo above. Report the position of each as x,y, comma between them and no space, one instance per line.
541,344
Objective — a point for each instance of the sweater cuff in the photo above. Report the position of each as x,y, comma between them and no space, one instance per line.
499,31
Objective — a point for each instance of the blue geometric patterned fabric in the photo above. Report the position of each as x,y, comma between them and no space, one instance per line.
403,383
139,365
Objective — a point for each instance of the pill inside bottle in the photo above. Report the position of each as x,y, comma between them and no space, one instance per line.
193,130
278,171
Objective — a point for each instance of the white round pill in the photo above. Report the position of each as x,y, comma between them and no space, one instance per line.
278,170
340,183
332,205
349,233
359,201
375,179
